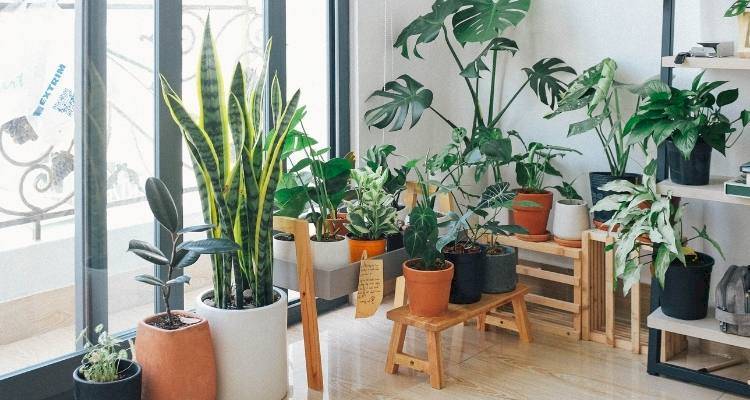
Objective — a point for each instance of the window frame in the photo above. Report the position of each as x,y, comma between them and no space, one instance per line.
52,379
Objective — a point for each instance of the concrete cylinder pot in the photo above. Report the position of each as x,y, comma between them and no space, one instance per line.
324,254
250,348
177,364
570,221
500,274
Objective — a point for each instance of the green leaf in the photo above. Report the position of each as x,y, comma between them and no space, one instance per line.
420,237
485,20
497,195
547,87
196,229
147,252
210,246
185,258
162,205
745,116
474,68
727,97
401,99
182,279
150,280
685,140
587,125
737,8
426,27
703,234
568,191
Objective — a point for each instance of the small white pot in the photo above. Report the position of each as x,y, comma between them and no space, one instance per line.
250,349
571,219
324,254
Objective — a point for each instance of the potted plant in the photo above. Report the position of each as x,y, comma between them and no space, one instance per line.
163,338
314,189
739,9
683,274
533,202
106,372
690,123
371,215
428,275
237,151
597,91
571,217
458,21
395,184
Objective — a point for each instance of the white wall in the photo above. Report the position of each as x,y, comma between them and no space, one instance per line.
581,32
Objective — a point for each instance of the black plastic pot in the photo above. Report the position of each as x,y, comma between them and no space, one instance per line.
685,293
127,388
466,287
394,241
599,179
694,170
500,274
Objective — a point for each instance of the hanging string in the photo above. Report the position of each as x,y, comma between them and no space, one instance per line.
387,34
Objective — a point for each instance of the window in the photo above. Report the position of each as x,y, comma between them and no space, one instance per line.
71,191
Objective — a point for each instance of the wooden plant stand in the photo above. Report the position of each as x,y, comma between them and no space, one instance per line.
456,314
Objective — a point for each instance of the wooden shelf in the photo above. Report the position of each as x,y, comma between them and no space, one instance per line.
549,247
714,191
735,63
707,328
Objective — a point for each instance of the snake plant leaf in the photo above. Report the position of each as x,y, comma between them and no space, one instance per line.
150,280
147,252
401,99
162,205
426,27
209,246
237,109
196,228
485,20
213,109
543,81
180,280
737,8
185,258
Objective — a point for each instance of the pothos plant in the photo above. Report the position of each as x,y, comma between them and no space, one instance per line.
534,164
467,22
647,219
371,215
101,360
598,92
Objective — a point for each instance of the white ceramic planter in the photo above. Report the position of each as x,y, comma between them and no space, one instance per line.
250,348
571,219
324,254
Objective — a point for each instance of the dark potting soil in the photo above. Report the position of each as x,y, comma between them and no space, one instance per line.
162,322
418,264
497,251
286,237
462,248
209,301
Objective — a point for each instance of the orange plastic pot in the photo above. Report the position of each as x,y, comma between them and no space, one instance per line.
428,291
534,219
177,364
373,248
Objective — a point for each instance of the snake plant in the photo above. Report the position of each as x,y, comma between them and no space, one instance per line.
237,151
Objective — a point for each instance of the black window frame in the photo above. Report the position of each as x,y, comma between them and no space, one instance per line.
52,379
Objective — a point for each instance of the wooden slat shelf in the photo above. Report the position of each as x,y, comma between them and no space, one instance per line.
549,247
735,63
707,329
714,191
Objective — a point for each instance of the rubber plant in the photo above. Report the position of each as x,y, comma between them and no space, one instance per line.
238,150
467,22
182,253
371,216
657,227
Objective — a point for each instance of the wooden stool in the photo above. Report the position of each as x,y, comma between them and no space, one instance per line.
456,314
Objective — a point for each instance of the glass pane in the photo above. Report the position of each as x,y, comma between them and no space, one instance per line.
237,26
307,62
37,275
130,156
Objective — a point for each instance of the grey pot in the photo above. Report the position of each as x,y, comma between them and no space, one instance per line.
500,274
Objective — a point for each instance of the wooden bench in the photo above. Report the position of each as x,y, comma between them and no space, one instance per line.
456,314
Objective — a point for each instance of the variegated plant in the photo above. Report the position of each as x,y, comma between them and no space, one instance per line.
372,215
237,152
646,219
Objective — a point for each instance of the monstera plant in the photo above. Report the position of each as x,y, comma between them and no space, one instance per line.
467,22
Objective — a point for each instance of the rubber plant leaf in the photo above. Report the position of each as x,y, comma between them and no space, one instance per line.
162,205
147,252
484,20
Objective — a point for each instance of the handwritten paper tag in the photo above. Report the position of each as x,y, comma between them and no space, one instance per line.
370,289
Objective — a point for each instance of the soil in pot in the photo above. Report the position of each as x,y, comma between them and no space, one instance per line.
694,170
599,179
428,291
127,387
500,274
686,288
357,247
534,219
178,362
468,261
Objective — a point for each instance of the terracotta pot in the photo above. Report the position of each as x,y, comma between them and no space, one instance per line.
251,349
534,219
177,364
373,247
428,291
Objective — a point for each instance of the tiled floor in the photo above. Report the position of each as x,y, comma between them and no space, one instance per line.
489,365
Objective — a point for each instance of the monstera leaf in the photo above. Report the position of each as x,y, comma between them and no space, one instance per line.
736,9
474,68
402,99
485,20
426,27
543,82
